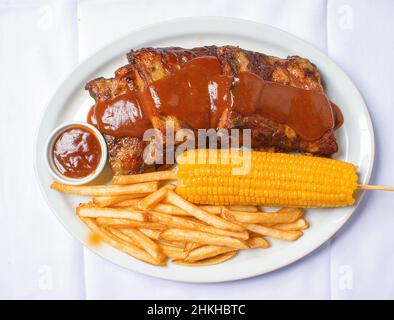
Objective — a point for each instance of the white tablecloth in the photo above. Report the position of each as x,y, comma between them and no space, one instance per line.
42,41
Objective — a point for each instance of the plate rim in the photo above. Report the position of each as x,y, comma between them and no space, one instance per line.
108,49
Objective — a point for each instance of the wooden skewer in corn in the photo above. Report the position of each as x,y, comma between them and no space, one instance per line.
372,187
235,177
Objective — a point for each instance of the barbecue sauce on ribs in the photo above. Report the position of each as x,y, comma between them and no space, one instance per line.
122,116
198,93
307,112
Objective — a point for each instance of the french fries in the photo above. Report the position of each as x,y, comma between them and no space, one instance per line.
299,224
192,245
123,213
195,211
122,236
216,210
114,200
170,209
262,217
274,233
177,244
112,190
128,223
145,242
155,197
206,252
154,224
202,237
144,177
151,233
173,252
207,262
258,242
127,203
243,208
179,222
121,245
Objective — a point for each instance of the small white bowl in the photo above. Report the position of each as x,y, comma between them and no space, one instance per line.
49,154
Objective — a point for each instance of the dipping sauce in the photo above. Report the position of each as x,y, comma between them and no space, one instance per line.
76,152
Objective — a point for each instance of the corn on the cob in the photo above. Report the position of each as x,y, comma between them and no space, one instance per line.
233,177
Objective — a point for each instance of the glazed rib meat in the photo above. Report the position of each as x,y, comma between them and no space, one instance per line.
150,64
125,154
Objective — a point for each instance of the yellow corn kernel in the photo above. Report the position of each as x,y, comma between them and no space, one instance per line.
265,179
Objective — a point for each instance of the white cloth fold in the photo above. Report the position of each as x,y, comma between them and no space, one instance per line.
42,40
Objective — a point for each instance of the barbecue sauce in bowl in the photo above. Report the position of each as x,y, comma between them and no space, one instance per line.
76,152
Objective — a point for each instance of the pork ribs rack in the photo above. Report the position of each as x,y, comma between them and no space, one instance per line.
147,65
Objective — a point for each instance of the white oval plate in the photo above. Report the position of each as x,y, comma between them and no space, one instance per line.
356,138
